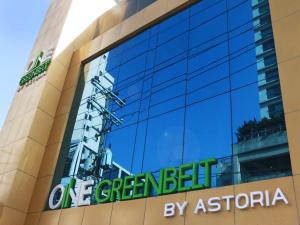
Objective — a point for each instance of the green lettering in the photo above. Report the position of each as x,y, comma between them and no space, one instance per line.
182,177
152,183
170,180
67,201
207,166
36,70
116,190
195,180
38,60
139,183
127,188
100,191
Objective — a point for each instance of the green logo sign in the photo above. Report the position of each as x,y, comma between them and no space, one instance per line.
39,66
170,180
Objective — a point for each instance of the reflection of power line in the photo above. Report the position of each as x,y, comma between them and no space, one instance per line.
191,29
193,91
107,92
195,54
109,117
181,107
103,111
204,69
87,152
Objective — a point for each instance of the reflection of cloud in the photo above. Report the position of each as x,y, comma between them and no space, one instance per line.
192,143
169,145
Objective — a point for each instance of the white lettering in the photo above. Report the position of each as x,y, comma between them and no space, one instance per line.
182,207
254,200
279,196
57,188
200,206
228,198
169,210
74,197
267,196
85,189
238,200
215,203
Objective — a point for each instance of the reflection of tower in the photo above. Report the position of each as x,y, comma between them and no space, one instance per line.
269,86
261,151
88,156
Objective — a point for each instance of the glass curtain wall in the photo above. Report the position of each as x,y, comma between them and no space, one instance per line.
201,84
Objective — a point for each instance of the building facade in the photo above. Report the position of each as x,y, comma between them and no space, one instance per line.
179,112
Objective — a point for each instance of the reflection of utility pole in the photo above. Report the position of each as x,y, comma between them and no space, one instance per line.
97,122
107,92
109,118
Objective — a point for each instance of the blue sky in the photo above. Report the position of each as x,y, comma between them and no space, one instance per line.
20,22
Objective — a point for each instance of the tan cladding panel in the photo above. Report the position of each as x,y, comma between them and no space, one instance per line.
293,127
297,192
287,36
286,28
223,217
281,9
52,26
150,211
11,216
280,214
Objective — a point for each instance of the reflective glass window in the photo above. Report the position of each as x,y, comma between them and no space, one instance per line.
203,83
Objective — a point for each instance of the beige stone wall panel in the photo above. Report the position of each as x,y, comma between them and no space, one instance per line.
72,216
293,126
97,214
297,192
49,160
13,186
11,216
224,217
41,191
50,218
287,36
290,80
276,215
128,212
155,209
58,129
26,156
65,103
32,219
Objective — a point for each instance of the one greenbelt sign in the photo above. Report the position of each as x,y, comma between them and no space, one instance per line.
170,180
39,66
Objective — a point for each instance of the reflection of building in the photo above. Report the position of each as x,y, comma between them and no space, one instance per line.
264,147
85,143
115,171
88,158
269,86
261,158
183,33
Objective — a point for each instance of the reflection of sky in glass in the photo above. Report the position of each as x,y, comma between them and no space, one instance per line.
189,83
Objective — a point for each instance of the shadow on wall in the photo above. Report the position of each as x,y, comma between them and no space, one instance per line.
119,13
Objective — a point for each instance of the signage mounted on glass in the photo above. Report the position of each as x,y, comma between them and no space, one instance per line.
36,68
170,180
